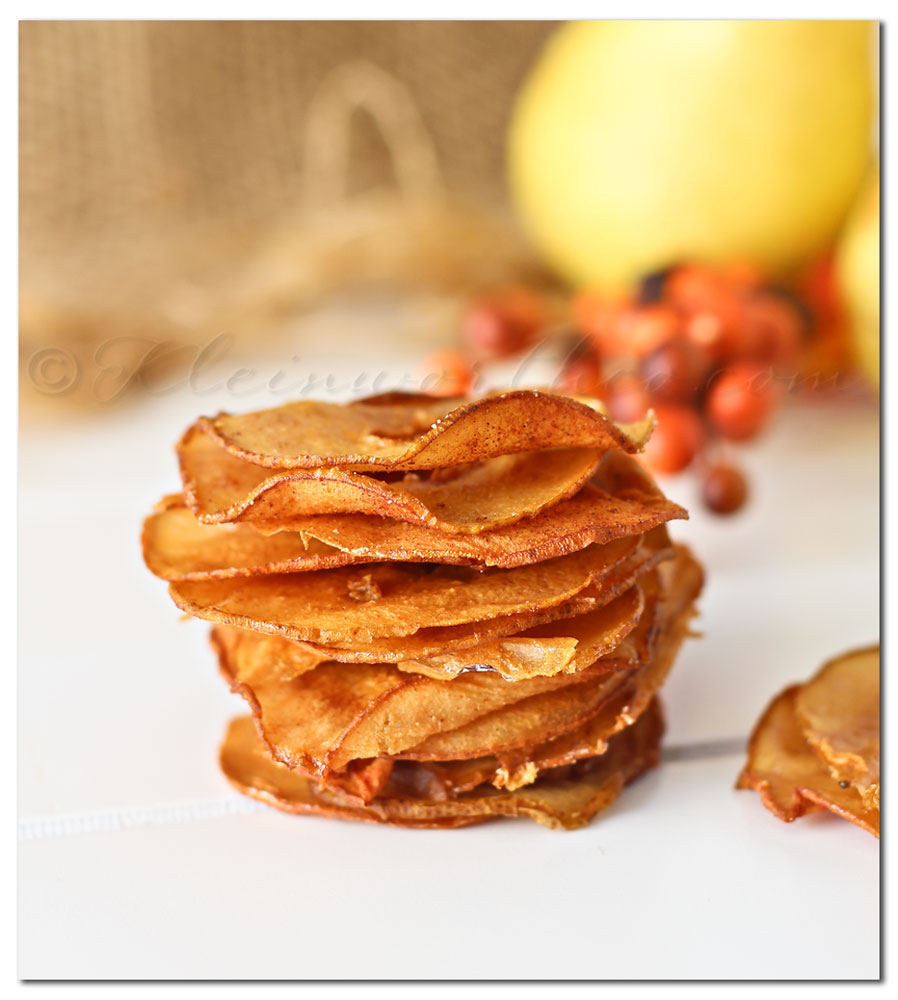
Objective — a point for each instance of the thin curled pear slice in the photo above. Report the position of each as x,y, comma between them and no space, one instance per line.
393,600
566,801
177,547
838,711
790,777
220,488
412,433
427,642
621,500
449,779
565,646
551,714
323,718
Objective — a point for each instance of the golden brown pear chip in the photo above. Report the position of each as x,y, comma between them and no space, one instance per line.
567,802
427,642
838,711
791,778
178,547
412,434
323,718
386,600
565,646
551,714
220,488
448,779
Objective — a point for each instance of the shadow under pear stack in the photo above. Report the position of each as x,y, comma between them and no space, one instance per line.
438,610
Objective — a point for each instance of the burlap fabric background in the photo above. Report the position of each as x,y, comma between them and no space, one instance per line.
178,176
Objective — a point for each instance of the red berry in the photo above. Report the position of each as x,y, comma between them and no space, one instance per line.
643,330
676,440
741,400
627,399
725,489
674,372
597,317
446,373
502,324
772,330
709,333
697,289
582,373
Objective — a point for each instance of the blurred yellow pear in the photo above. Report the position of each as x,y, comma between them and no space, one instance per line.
635,144
857,267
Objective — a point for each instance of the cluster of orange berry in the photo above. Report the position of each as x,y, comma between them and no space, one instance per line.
710,350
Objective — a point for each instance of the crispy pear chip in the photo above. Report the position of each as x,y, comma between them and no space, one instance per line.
397,599
566,801
413,434
177,547
321,719
790,777
566,646
838,711
448,779
250,770
551,714
500,491
427,642
620,500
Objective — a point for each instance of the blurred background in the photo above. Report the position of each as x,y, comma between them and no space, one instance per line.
676,214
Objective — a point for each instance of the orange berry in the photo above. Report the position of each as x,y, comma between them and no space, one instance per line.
695,289
675,372
724,490
446,373
627,399
707,332
643,330
502,324
742,275
819,288
582,373
597,317
741,401
772,329
676,440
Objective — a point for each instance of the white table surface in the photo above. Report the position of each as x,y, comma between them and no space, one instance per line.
137,860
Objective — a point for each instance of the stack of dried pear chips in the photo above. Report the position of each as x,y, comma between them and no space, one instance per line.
817,744
438,610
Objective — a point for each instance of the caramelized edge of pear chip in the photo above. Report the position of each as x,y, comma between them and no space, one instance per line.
363,437
324,607
547,649
619,501
437,640
551,714
477,497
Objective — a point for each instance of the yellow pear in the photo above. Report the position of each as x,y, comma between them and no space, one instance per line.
636,144
857,268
